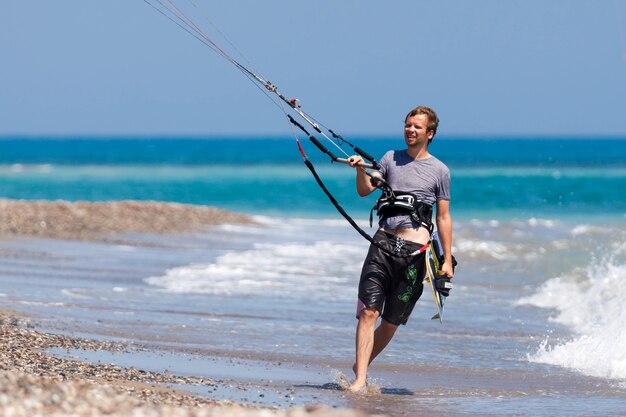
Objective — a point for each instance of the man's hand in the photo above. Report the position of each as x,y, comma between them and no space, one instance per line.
355,160
447,269
364,183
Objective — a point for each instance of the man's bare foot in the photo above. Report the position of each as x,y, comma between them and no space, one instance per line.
358,387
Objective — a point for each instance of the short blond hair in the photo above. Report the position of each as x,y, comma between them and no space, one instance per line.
433,119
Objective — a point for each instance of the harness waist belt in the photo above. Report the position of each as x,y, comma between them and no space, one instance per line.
398,203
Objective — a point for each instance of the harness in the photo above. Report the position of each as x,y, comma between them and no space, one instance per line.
393,203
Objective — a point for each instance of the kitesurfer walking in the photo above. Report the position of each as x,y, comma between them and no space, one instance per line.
390,286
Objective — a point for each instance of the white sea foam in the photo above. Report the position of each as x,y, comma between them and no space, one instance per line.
533,222
278,224
289,269
590,301
483,248
42,304
586,229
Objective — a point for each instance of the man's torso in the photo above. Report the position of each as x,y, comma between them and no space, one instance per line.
427,179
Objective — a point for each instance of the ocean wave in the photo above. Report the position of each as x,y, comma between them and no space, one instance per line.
587,229
483,249
589,301
290,270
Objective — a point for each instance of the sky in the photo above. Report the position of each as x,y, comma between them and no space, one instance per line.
488,67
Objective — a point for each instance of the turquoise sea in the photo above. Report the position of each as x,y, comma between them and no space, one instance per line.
534,326
492,178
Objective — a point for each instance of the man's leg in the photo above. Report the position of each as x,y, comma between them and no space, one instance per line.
382,336
364,346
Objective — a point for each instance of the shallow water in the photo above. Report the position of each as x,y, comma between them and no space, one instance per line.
276,302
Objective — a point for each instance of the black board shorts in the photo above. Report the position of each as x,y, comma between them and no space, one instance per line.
390,284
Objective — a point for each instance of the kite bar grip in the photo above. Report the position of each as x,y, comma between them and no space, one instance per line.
361,164
332,156
322,148
364,154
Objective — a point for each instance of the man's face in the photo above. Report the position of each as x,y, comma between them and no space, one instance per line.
415,130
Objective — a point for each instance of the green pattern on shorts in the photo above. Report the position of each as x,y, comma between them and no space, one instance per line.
411,275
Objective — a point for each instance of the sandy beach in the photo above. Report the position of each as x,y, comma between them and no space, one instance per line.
35,383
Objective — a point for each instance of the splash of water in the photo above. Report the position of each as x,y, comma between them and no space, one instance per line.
590,301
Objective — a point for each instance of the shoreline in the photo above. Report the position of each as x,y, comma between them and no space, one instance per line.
34,382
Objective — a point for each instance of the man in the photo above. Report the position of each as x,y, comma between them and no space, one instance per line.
391,285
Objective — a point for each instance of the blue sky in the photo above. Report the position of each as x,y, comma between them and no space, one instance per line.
117,67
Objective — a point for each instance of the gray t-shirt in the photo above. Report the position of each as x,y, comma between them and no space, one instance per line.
428,179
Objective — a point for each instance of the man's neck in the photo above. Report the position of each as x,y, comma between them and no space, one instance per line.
418,152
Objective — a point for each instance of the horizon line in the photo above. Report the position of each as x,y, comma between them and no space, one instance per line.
183,136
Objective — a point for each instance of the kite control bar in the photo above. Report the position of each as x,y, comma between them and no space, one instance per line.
356,149
325,150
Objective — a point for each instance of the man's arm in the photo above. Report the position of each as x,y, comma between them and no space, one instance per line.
444,227
364,186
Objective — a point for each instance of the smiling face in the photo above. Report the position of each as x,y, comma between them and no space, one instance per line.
416,133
